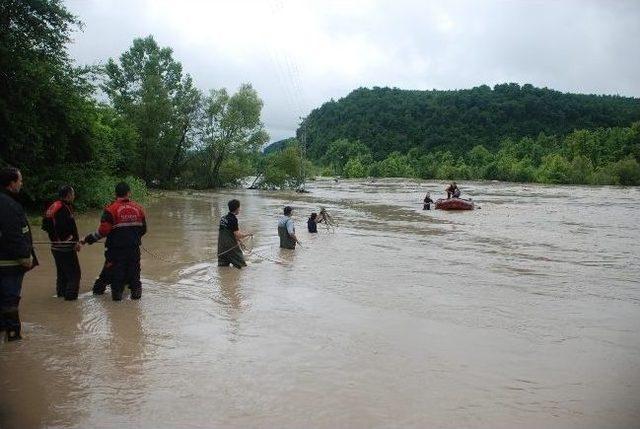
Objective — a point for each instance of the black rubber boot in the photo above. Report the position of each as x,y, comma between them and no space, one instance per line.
116,295
14,335
136,293
12,319
99,287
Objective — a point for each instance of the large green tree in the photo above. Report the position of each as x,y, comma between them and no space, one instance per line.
230,126
47,113
148,87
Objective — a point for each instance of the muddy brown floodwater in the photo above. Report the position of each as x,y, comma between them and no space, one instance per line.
525,313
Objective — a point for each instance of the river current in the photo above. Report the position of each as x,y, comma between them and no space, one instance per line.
522,313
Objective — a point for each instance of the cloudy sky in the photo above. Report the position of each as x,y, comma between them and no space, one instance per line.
299,54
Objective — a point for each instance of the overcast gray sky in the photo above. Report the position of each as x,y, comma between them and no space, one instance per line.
299,54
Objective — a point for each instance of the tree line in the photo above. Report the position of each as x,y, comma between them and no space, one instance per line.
140,116
604,156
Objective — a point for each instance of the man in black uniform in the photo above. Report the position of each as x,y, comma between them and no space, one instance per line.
60,224
229,252
16,251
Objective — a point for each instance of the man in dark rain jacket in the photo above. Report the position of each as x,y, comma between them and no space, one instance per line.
60,224
123,222
16,251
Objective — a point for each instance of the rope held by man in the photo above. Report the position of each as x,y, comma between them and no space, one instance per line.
240,243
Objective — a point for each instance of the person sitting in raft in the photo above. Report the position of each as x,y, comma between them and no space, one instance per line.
229,238
427,202
312,224
453,191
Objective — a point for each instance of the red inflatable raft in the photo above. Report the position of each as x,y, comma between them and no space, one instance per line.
453,204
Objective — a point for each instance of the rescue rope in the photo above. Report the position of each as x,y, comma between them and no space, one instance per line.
267,258
155,255
240,244
55,242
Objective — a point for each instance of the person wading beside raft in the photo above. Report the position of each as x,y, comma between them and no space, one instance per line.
16,251
427,202
123,223
287,230
229,237
59,223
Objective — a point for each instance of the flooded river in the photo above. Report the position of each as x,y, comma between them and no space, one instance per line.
525,313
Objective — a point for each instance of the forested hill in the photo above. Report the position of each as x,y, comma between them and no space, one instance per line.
279,145
388,120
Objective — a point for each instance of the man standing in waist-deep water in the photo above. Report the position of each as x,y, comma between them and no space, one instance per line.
16,251
123,223
287,230
229,252
60,224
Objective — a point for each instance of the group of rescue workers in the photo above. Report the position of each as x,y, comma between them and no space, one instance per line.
123,224
230,236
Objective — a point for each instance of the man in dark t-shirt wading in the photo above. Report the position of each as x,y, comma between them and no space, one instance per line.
229,252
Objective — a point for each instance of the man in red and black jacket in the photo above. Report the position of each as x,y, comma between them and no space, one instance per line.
123,223
60,224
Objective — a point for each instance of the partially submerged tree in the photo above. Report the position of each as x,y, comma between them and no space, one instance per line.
230,127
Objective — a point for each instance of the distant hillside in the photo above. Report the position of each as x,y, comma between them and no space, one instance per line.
279,145
388,120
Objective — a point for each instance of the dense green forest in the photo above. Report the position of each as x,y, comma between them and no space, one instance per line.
156,128
388,120
510,132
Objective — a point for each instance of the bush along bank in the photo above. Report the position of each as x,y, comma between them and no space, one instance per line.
606,156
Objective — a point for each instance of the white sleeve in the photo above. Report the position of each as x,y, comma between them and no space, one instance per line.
290,227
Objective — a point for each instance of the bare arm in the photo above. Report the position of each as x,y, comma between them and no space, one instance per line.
239,235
